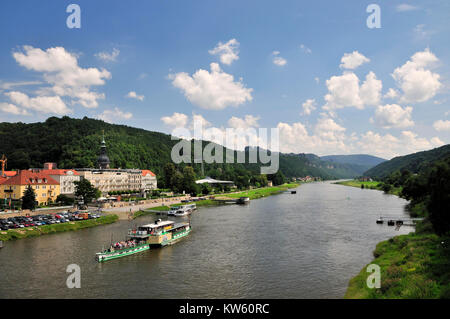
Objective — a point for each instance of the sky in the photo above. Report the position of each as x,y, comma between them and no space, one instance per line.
314,70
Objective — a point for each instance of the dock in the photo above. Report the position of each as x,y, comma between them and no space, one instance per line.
398,221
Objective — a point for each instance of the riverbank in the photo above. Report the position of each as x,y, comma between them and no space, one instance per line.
55,228
252,194
371,185
416,265
412,266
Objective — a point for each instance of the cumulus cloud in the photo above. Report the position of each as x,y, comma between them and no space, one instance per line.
108,57
345,91
278,60
393,116
114,116
417,82
41,104
12,109
309,106
213,90
175,120
228,52
134,95
353,60
244,123
442,125
61,70
391,94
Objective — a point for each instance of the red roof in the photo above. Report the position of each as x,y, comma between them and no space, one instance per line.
27,177
58,171
146,171
10,173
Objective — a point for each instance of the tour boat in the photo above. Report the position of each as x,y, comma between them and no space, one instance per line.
160,233
185,210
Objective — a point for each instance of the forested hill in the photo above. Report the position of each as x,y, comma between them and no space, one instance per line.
73,143
360,162
414,163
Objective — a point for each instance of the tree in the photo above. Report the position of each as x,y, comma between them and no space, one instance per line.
29,198
65,200
439,203
169,173
189,184
86,191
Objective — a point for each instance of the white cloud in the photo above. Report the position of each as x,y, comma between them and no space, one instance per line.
134,95
391,94
403,7
415,79
228,52
388,146
213,90
393,116
10,85
175,120
309,106
41,104
108,57
353,60
113,116
441,125
344,91
61,70
12,109
317,79
278,60
244,123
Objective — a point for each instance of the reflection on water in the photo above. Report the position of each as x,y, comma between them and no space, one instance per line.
304,245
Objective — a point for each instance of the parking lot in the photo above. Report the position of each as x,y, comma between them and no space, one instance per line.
46,219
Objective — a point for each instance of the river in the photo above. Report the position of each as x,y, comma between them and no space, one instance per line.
304,245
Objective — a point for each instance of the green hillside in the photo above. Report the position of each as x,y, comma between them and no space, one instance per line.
414,163
74,143
357,162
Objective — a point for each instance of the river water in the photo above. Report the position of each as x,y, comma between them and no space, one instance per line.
306,245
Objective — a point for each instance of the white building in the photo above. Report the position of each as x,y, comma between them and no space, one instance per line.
148,180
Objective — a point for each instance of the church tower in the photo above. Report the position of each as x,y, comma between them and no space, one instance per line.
103,159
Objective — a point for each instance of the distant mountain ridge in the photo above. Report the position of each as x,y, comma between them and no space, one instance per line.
360,163
414,163
73,143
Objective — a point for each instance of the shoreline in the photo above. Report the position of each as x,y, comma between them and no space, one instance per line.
407,264
14,234
252,194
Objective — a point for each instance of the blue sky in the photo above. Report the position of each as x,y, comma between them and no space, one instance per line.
154,48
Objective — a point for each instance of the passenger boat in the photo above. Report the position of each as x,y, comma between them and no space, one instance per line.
173,210
121,250
160,233
185,210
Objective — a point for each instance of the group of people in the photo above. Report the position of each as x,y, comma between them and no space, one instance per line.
123,244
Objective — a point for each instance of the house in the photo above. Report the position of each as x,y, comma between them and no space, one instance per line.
65,177
46,188
148,181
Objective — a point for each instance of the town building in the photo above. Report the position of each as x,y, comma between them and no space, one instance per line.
46,188
108,179
148,181
66,179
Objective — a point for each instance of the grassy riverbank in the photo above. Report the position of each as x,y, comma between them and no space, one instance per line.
412,266
371,185
55,228
252,194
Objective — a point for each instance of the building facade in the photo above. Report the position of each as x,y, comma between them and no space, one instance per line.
46,188
66,179
149,181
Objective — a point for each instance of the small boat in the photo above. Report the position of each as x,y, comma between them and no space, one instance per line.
391,222
185,210
173,210
243,200
293,192
399,222
380,221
